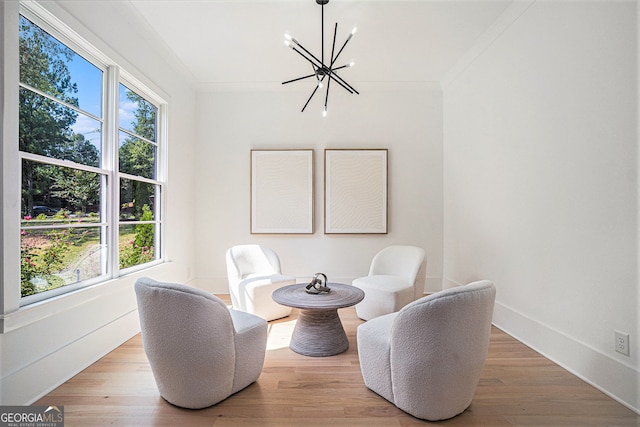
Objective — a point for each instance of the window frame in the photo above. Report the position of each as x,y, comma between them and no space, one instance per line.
109,224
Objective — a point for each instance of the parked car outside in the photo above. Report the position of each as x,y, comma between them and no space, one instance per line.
38,210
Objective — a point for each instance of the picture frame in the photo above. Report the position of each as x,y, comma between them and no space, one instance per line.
282,191
355,191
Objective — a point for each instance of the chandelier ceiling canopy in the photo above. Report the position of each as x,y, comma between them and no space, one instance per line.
324,72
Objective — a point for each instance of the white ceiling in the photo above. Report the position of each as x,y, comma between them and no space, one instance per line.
242,41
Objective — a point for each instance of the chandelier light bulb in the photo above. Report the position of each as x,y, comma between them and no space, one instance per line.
352,63
320,84
289,40
324,112
352,33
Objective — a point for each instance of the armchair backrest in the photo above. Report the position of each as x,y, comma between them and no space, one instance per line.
439,345
245,260
188,336
398,260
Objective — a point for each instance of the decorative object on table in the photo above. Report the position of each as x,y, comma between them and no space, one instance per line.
254,273
391,283
355,191
202,361
282,191
408,358
318,284
324,72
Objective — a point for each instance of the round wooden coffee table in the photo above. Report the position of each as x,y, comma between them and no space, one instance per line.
318,331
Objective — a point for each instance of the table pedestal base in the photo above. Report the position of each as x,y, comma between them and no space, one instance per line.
319,333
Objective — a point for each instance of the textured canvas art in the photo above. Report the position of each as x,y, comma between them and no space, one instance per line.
282,191
356,191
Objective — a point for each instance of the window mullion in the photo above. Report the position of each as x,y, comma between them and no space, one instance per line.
63,163
111,191
162,137
60,101
139,178
142,138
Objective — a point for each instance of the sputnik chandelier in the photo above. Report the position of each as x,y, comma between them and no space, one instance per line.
321,70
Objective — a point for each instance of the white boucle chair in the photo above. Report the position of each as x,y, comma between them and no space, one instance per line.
200,351
390,284
427,358
254,273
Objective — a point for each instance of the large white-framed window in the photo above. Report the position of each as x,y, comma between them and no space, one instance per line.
91,147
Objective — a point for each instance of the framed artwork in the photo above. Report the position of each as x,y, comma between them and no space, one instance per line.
355,191
282,191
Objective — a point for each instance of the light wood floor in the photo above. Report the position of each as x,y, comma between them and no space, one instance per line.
518,388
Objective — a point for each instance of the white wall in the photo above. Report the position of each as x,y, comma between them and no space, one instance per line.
406,119
540,183
45,344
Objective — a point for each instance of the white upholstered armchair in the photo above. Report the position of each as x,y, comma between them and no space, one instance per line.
254,273
200,352
391,283
427,358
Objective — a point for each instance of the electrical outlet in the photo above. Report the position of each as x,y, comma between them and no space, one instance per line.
622,343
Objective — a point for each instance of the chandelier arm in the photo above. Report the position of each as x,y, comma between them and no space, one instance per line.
333,59
333,76
307,103
342,82
341,67
307,58
318,63
300,78
333,47
326,96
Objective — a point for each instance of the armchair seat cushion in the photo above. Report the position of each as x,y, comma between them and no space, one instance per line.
391,283
250,345
253,281
374,340
254,294
254,273
383,294
384,283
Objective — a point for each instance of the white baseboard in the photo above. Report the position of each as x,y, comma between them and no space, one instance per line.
448,283
431,284
616,379
215,285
